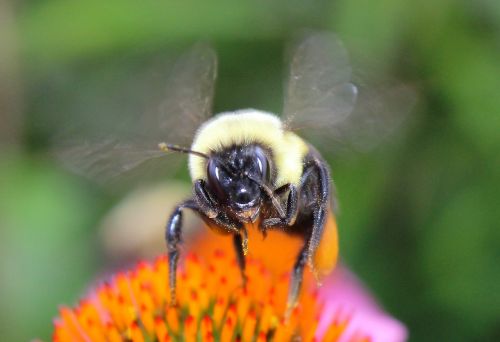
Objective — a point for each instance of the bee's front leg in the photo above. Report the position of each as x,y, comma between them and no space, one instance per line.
173,235
211,212
292,209
208,212
215,216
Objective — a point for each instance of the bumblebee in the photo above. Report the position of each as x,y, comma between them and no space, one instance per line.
247,169
251,168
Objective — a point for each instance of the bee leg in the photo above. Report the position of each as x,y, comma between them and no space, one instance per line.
305,257
215,216
203,199
291,210
320,212
296,281
211,212
173,238
240,243
282,189
314,238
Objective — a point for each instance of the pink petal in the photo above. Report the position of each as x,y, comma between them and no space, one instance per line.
345,297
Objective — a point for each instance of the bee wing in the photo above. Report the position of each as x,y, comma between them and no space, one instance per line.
380,111
323,103
319,90
103,160
189,95
126,143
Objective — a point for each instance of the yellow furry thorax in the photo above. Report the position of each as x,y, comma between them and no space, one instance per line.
249,126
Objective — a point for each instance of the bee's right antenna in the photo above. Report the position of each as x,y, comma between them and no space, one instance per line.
174,148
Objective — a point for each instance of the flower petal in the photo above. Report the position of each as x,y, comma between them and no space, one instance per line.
345,298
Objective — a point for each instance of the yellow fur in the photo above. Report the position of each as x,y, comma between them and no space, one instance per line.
245,127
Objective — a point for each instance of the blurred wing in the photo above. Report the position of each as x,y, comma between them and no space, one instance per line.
102,161
130,143
189,95
325,106
319,92
380,112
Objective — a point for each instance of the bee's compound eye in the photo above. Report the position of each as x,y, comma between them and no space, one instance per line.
216,179
262,163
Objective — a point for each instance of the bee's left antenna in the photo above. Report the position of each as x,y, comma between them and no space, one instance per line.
174,148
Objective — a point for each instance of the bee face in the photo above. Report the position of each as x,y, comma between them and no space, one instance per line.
234,176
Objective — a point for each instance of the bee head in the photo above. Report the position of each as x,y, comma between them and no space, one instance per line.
235,176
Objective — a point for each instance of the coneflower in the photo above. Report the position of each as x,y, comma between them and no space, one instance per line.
212,305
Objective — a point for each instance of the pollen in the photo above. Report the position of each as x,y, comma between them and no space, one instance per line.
212,305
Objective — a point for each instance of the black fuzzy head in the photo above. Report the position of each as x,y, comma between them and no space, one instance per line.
234,176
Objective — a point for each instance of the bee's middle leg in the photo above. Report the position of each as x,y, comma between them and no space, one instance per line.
240,243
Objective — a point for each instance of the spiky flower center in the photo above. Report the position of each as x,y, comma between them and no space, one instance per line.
212,305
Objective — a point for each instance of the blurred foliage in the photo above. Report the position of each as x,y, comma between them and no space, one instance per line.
419,218
44,244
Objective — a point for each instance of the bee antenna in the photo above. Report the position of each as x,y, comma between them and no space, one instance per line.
174,148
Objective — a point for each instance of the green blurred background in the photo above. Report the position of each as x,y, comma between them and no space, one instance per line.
420,216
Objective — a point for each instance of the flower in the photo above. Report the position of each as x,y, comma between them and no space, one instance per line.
344,295
212,305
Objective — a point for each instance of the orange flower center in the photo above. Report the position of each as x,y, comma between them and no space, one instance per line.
212,305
